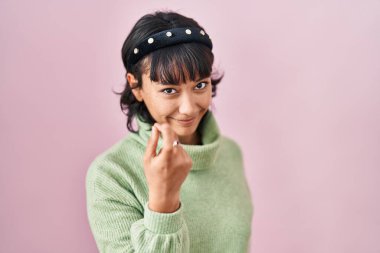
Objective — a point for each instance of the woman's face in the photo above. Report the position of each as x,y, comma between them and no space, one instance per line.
173,104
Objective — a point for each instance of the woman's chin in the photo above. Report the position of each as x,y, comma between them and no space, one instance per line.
184,132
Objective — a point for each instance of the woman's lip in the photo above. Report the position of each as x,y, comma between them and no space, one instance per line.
186,122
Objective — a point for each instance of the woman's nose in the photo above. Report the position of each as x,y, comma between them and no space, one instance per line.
188,105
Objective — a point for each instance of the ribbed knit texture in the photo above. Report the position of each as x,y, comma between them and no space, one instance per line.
215,211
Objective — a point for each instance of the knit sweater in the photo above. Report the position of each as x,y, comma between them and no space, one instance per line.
215,212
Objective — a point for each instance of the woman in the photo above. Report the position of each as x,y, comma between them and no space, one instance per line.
176,184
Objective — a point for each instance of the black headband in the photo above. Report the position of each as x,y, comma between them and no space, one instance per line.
168,38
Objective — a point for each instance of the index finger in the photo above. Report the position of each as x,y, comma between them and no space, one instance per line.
152,144
168,136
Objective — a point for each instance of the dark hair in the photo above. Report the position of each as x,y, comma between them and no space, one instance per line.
174,64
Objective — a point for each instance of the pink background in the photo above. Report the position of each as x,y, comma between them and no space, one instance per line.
301,95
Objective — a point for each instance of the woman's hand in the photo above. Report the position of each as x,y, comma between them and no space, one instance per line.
166,171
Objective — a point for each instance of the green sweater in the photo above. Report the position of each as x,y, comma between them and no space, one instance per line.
215,211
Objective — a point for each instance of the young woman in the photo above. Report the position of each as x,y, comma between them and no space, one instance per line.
176,184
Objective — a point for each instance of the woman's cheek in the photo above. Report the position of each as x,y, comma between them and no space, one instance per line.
206,101
165,106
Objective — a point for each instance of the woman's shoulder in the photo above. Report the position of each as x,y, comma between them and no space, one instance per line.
231,145
117,159
116,172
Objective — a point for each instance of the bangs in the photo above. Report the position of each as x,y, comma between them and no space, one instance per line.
181,63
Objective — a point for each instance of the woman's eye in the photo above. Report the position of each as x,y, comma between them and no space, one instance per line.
169,91
201,85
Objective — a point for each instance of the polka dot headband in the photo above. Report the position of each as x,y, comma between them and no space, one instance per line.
168,38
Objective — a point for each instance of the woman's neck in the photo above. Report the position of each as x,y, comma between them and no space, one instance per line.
194,139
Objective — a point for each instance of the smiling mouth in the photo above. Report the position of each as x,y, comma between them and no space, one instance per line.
186,120
186,123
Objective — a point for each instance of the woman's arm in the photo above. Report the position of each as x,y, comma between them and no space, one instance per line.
115,215
118,225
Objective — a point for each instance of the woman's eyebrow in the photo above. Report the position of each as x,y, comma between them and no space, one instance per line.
176,84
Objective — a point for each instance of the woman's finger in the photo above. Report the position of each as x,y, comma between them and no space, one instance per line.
168,136
152,143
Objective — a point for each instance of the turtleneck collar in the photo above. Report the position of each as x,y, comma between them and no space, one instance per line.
203,156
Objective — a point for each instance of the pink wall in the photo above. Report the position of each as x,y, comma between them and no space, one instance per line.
301,95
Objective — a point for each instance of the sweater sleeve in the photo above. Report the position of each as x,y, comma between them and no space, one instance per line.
118,224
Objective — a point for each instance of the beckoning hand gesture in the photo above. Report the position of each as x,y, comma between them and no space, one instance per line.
166,171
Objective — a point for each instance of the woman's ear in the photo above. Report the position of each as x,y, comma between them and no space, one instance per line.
132,81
